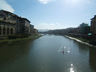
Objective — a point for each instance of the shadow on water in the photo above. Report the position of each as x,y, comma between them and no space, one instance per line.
92,58
11,52
83,48
91,54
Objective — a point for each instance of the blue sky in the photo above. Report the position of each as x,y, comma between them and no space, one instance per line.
52,14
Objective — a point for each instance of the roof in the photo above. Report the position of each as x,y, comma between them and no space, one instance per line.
7,12
94,17
26,19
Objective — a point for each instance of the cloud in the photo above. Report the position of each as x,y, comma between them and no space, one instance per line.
77,2
45,1
50,26
5,6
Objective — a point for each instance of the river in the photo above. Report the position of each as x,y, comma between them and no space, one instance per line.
49,53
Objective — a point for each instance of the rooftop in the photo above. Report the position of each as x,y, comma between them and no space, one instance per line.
14,15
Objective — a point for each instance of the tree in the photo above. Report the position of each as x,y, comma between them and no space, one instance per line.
84,28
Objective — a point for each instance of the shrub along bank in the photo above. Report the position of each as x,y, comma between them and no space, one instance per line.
13,39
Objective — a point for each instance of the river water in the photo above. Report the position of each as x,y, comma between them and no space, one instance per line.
49,53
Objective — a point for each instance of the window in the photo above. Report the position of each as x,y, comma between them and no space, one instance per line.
8,31
4,31
0,30
11,31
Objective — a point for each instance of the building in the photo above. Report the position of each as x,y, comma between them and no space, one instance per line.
7,23
32,29
22,26
93,25
35,31
26,26
11,24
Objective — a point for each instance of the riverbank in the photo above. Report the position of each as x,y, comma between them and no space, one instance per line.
80,41
11,41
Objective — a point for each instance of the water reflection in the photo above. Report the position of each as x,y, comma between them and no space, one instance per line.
92,59
68,51
64,50
90,52
9,53
72,68
45,55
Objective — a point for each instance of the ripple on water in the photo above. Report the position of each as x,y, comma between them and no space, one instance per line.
72,68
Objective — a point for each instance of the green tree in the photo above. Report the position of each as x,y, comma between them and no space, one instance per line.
84,28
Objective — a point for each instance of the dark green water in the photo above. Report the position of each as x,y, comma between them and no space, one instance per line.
49,53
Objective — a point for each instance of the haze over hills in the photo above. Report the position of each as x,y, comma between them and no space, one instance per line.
42,30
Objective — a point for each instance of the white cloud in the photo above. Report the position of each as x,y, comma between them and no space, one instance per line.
5,6
77,2
50,26
45,1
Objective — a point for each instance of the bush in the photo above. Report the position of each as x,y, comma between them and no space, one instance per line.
18,36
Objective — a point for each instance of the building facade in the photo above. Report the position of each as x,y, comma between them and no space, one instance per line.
11,24
32,29
93,25
7,24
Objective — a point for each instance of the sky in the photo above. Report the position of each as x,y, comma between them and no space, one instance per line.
52,14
